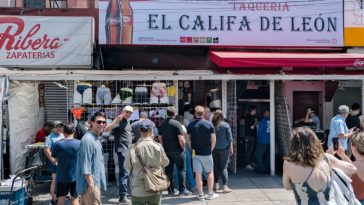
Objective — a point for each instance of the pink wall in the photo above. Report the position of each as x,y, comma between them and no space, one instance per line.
291,86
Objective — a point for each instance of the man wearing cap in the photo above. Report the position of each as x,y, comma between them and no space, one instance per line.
121,130
135,127
56,135
65,151
339,129
153,155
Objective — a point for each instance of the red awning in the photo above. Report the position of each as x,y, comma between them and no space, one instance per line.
252,59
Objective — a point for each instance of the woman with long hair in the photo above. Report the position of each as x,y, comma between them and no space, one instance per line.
306,168
223,149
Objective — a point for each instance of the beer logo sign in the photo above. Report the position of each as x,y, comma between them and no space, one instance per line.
359,63
113,21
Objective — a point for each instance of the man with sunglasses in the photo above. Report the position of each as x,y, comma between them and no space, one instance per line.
121,130
90,170
56,135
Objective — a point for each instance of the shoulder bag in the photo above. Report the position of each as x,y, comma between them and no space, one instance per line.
155,180
342,190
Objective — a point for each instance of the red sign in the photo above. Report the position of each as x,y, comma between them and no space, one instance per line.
37,41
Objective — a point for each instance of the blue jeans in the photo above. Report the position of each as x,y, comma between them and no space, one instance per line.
362,202
123,175
263,158
189,173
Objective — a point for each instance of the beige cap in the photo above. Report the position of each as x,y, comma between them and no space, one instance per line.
128,108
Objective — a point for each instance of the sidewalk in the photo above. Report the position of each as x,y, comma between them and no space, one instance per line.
249,189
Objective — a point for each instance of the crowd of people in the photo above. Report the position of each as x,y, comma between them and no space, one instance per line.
77,165
196,148
308,169
257,141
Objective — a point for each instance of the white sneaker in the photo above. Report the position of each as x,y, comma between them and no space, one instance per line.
201,197
212,196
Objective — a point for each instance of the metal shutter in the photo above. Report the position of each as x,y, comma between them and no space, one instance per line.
58,100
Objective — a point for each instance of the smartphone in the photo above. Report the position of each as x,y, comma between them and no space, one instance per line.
335,142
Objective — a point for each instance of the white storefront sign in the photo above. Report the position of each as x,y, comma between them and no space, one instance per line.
222,23
34,41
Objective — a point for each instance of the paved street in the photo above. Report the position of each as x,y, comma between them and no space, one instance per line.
249,189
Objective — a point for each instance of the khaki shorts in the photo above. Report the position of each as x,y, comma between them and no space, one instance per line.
203,163
91,197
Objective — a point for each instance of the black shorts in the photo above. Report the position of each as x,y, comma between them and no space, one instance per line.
63,189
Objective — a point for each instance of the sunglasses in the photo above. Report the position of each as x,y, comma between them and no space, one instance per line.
101,122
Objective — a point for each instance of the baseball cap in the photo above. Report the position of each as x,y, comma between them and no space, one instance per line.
128,108
146,125
57,123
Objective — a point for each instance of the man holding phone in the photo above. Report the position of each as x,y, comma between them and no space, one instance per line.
339,132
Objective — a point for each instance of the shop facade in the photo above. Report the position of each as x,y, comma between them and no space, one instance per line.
189,58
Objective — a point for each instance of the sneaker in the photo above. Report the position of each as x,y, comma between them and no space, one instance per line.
124,200
201,197
174,193
185,192
53,203
226,189
212,196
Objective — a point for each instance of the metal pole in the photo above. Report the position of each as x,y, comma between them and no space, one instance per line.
176,97
272,129
224,96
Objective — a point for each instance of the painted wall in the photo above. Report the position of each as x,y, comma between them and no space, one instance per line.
291,86
346,96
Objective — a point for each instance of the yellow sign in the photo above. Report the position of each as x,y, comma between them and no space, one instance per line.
354,23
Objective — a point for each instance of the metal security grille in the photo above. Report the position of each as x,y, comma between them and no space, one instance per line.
58,98
232,117
283,123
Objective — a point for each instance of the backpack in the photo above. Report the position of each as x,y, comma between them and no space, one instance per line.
341,188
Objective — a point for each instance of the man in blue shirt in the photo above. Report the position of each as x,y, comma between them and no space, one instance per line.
339,129
263,144
90,170
202,140
65,151
56,135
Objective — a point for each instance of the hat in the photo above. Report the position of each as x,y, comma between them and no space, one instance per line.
146,125
57,122
128,108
